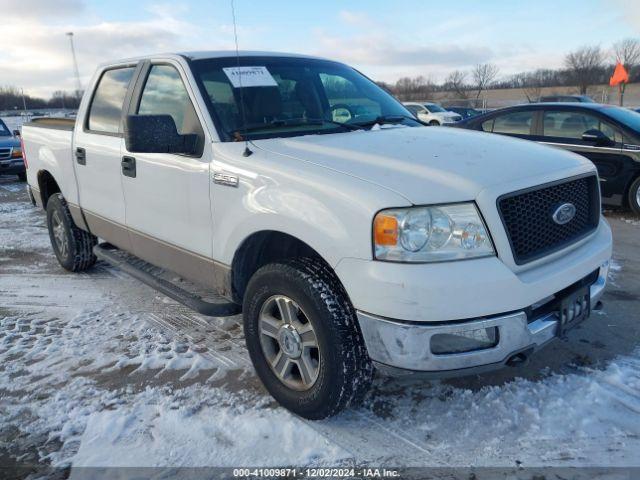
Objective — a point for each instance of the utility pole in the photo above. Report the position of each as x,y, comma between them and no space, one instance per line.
75,64
24,102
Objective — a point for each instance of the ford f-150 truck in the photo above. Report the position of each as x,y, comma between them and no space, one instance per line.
350,236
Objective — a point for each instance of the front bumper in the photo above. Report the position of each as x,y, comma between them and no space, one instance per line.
396,346
11,167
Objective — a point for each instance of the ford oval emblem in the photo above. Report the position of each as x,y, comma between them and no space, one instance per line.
564,213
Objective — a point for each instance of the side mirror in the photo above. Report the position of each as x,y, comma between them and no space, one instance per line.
157,134
597,138
16,133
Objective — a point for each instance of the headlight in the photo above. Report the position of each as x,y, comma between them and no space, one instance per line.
431,234
16,152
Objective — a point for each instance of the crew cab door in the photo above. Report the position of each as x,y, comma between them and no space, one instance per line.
98,141
168,209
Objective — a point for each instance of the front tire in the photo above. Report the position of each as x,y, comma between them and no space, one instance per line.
634,196
434,123
73,247
304,340
22,176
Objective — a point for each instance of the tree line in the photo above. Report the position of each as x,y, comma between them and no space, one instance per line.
11,98
582,68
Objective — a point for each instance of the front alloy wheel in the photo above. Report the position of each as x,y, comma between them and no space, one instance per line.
304,339
289,342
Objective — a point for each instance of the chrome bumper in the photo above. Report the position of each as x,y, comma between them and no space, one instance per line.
407,346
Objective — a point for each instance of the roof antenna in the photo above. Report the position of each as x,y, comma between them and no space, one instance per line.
247,151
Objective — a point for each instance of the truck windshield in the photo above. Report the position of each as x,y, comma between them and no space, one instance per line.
433,108
268,97
4,131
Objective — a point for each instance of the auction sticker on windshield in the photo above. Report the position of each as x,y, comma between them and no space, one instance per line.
250,77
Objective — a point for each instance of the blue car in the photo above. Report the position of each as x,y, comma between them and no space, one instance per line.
11,162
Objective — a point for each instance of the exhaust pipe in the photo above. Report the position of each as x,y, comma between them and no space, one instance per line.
519,359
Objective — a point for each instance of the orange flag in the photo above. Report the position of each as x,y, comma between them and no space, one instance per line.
619,76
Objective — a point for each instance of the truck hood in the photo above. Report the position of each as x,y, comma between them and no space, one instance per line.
429,165
9,141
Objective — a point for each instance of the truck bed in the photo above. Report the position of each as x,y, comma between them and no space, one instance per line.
48,146
53,122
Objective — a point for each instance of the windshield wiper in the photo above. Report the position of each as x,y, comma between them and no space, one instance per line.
291,123
322,121
388,120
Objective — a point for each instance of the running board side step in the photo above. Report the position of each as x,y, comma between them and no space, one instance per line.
108,253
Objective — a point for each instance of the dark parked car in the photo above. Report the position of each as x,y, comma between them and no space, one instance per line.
567,98
609,136
465,112
10,154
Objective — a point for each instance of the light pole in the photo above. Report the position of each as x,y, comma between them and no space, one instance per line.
75,64
24,102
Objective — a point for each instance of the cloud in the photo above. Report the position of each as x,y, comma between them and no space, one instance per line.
40,57
630,12
387,54
359,19
29,9
380,50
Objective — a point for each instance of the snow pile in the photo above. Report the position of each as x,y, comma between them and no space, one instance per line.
200,428
23,228
117,379
631,221
562,419
614,271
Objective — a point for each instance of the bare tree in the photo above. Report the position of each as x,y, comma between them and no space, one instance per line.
584,66
627,52
531,84
413,89
456,81
483,75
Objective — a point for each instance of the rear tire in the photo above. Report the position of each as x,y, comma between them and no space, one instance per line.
434,123
634,196
73,247
343,370
22,176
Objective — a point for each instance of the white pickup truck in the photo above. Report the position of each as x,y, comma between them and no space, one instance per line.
348,234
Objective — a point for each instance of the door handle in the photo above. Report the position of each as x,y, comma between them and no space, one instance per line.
128,167
81,156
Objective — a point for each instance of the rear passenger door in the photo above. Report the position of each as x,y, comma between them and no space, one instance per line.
167,195
519,123
564,128
98,141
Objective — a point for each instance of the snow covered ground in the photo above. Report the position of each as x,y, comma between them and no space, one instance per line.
98,370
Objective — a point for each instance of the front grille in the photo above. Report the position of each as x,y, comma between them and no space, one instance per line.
527,216
5,153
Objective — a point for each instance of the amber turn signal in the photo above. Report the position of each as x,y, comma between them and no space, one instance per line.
385,230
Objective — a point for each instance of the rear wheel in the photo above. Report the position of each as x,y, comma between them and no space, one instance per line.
303,338
73,247
634,196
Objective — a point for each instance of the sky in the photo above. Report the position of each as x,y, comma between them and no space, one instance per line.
384,39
